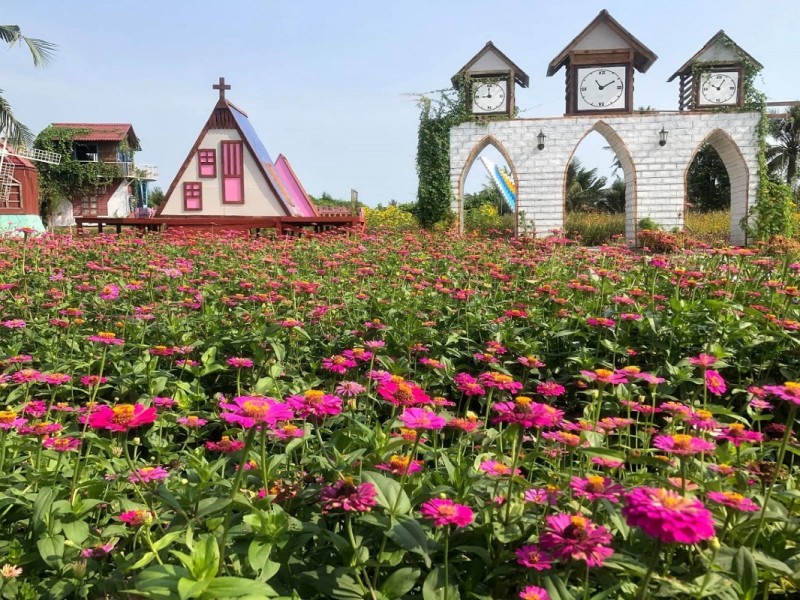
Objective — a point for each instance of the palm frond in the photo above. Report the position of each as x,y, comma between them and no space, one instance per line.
15,132
41,51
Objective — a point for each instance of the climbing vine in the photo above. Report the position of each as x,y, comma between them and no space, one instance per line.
70,178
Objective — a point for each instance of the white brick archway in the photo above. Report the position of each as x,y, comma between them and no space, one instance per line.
658,173
487,141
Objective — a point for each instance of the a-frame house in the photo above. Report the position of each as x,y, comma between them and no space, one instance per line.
229,173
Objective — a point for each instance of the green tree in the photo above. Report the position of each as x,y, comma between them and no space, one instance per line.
41,52
708,186
155,197
489,194
585,189
782,156
613,200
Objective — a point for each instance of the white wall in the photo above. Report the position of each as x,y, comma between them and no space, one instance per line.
656,174
259,200
119,204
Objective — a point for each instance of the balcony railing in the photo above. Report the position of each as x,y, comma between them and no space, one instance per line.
136,170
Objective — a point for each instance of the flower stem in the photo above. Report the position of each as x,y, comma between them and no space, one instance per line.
446,561
514,458
781,453
248,442
646,581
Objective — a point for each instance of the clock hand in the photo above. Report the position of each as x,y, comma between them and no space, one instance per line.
598,84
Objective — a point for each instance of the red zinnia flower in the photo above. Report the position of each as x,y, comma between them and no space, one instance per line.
668,516
136,518
444,511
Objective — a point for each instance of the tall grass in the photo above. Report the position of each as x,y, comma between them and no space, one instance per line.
712,227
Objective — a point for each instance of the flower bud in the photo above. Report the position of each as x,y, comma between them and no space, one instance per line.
137,441
714,544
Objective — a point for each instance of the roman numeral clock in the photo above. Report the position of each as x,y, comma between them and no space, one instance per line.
600,63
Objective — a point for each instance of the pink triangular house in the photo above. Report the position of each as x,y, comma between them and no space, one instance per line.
228,172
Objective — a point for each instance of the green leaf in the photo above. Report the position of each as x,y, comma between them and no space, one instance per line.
556,588
76,531
407,533
400,582
160,577
389,493
434,587
258,558
238,587
40,515
189,588
51,549
746,571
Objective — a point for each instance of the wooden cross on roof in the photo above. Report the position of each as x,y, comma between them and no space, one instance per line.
221,86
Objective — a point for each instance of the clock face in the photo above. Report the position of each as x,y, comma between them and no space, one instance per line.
718,88
489,97
601,88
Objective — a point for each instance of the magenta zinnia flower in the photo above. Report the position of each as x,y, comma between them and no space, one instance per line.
315,403
668,516
443,511
107,338
61,444
121,417
255,411
136,518
399,464
493,379
703,360
574,536
533,592
715,383
789,391
400,392
97,551
682,444
527,413
736,434
239,362
596,487
733,500
226,445
148,474
338,364
550,388
496,468
531,556
419,418
349,497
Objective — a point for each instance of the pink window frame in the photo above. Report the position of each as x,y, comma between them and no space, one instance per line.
189,189
227,169
208,152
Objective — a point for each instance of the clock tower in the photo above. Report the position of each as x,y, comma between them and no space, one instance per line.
714,76
490,78
600,63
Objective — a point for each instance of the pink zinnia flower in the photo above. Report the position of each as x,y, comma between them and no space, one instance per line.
682,444
61,444
399,464
400,392
443,511
715,383
533,592
107,338
609,463
550,388
531,556
14,324
546,495
97,551
226,445
349,497
527,413
239,363
350,389
468,385
93,380
703,360
595,487
148,474
668,516
600,322
530,362
733,500
497,468
569,440
192,421
315,403
121,417
43,428
9,420
255,411
109,292
575,537
736,434
650,378
136,518
287,431
605,376
789,391
493,379
419,418
338,364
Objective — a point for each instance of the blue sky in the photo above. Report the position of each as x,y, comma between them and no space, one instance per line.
328,83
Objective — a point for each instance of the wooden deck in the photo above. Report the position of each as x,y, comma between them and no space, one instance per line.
281,225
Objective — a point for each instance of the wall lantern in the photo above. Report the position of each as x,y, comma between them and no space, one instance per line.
541,139
662,136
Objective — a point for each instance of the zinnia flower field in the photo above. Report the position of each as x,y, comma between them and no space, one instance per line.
396,416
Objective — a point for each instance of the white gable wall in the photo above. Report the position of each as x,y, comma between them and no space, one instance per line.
490,61
259,200
719,52
601,37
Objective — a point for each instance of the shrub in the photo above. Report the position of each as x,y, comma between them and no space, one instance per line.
485,218
594,229
391,218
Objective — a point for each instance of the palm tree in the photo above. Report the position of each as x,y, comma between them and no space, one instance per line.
613,200
41,52
782,157
584,188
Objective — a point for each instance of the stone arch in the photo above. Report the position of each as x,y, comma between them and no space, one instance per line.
619,147
486,141
739,176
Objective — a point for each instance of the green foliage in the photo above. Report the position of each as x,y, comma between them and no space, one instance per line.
593,228
485,218
70,178
433,154
585,190
155,197
490,195
707,183
774,211
391,218
783,156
